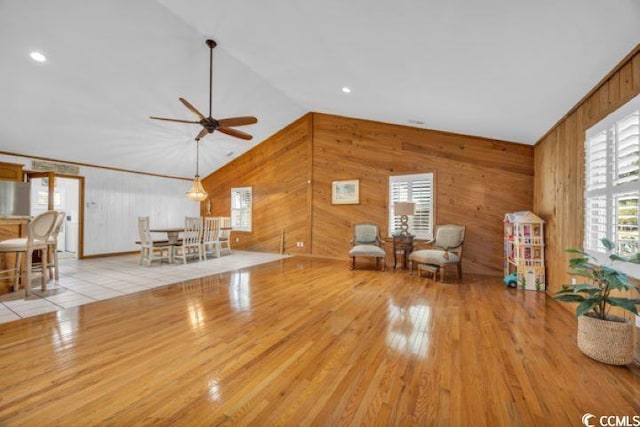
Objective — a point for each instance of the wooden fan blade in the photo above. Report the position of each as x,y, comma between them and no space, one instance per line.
238,121
202,134
234,132
173,120
192,108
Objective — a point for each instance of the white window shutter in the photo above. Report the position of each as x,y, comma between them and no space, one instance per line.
612,181
241,203
418,189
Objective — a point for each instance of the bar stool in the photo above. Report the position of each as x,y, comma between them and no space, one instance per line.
38,232
52,247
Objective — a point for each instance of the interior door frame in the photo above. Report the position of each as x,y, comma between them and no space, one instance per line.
50,205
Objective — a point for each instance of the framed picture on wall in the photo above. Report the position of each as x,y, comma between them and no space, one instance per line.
345,192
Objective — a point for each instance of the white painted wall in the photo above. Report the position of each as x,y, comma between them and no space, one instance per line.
114,200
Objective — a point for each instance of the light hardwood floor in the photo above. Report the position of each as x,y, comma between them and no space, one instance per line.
306,341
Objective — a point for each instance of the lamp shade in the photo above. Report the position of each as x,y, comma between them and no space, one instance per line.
197,192
404,208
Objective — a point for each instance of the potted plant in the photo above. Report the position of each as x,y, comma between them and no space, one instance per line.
601,336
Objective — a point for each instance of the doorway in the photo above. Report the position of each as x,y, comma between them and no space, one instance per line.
65,193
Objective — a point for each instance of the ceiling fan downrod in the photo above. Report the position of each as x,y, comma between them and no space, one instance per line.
211,44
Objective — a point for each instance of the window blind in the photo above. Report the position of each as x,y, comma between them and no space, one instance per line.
612,181
418,189
241,200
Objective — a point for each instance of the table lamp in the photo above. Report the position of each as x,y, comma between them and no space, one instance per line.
404,209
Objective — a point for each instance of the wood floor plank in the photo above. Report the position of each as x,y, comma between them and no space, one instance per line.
307,341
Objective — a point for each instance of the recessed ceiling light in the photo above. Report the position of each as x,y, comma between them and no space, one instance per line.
37,56
346,90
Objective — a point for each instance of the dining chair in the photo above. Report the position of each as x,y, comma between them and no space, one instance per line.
151,250
211,237
191,244
225,232
38,232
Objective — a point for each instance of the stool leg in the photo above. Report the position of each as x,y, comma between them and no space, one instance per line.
55,263
18,273
27,275
45,269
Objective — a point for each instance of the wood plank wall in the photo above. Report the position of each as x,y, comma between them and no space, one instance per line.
278,172
559,166
477,181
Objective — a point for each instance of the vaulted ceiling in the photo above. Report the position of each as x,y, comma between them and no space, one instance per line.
497,68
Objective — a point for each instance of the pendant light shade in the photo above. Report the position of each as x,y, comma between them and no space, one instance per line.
197,193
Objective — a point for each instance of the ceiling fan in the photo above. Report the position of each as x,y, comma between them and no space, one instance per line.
209,124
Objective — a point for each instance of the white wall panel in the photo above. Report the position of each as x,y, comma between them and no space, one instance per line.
114,200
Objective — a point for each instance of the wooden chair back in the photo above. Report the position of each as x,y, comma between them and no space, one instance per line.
143,231
225,223
192,234
211,229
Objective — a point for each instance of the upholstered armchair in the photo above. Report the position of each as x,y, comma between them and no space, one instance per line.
444,251
367,243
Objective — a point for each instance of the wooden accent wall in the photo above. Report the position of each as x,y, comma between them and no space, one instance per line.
278,172
559,166
477,181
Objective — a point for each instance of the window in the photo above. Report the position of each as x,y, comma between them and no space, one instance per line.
241,208
413,188
612,181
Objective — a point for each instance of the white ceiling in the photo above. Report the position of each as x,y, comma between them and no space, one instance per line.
501,69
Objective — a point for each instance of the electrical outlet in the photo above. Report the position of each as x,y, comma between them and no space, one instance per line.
237,240
302,244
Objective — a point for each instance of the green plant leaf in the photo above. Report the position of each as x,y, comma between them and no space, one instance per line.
623,303
615,257
635,258
608,244
578,263
585,306
569,297
577,251
616,279
587,288
582,273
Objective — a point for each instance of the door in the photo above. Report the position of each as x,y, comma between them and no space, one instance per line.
51,191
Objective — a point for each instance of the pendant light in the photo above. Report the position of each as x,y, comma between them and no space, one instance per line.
197,193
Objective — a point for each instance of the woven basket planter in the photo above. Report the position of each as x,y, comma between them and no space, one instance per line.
606,341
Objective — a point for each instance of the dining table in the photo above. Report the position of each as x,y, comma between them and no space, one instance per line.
172,233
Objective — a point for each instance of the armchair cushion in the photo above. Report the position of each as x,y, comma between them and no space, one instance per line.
434,256
367,250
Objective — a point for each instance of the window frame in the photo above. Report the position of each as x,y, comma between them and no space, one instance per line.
611,190
234,226
429,175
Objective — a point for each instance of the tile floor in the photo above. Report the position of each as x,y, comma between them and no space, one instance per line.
85,281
